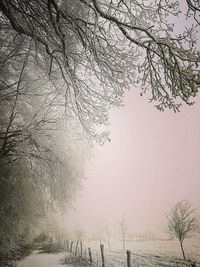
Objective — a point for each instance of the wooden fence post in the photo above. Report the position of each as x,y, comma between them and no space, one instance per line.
81,245
71,246
102,255
59,241
90,255
67,245
128,258
76,250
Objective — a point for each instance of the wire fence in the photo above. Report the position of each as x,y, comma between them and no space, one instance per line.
86,256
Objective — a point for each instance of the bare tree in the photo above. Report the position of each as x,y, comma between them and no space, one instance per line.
182,222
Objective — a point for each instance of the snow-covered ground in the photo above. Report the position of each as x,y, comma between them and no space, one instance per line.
150,253
38,259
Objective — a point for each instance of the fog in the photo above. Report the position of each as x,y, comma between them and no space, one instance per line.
151,163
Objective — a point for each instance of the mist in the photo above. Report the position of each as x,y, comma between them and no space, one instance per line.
151,163
99,133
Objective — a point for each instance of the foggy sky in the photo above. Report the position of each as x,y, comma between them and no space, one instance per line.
152,161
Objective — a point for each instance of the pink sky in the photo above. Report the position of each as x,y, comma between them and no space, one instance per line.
152,161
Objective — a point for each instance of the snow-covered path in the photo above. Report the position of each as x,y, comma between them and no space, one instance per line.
37,259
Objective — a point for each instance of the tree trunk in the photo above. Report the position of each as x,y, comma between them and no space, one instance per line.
183,252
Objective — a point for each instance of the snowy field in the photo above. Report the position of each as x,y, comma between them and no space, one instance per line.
148,253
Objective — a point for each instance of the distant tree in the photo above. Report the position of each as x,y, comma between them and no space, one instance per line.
108,236
79,235
182,222
123,229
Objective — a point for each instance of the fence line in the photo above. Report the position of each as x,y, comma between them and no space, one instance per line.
73,248
100,257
